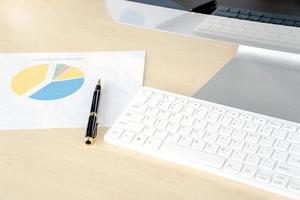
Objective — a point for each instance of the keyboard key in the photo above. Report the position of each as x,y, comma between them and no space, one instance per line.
185,141
252,137
142,99
164,105
211,148
173,137
149,120
223,140
169,98
161,134
276,21
194,104
225,120
212,127
265,130
267,163
224,152
246,117
212,117
237,123
210,137
237,144
280,156
207,107
173,127
139,140
160,123
238,156
288,170
135,117
198,144
115,133
207,159
176,117
294,187
248,171
185,130
265,152
225,130
242,16
152,111
176,107
279,133
239,134
250,148
232,113
197,133
289,23
252,159
251,127
294,160
146,92
274,124
234,10
200,114
149,131
188,120
281,145
295,148
187,110
280,180
220,111
293,137
201,124
164,114
130,126
233,166
138,108
266,141
257,13
152,102
182,101
263,178
265,19
127,136
289,127
259,120
152,144
246,12
225,14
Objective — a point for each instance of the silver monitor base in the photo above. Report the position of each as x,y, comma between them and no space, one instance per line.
258,80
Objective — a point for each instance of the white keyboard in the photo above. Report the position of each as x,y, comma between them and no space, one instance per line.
250,33
248,147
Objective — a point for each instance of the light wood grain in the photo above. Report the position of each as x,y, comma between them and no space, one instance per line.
55,164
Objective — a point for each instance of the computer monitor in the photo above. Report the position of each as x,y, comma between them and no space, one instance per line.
271,24
263,77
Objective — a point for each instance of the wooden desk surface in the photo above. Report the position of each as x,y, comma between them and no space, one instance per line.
55,164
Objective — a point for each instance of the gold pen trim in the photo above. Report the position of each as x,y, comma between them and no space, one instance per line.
89,140
93,114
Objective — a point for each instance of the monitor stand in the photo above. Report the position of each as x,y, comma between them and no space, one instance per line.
258,80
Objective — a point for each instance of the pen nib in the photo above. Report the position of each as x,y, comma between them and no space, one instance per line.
99,82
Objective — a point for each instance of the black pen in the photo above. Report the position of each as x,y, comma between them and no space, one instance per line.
91,130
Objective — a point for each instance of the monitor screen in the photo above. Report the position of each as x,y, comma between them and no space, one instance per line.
285,7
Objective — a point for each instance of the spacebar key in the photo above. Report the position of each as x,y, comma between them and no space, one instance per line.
183,153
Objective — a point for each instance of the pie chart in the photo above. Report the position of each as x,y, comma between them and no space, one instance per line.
48,82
